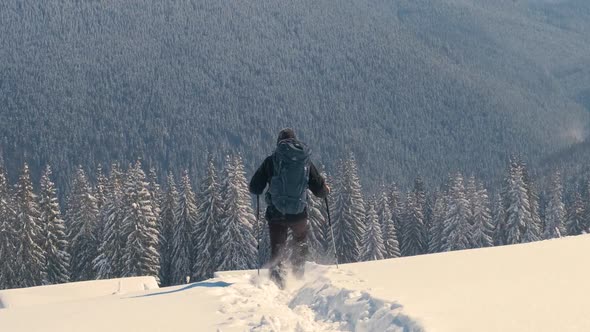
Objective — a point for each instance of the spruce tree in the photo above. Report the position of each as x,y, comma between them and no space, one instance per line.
457,227
533,229
349,212
141,254
482,230
57,259
390,242
397,212
238,242
206,233
576,224
372,243
182,243
30,256
155,191
81,222
436,239
471,194
9,238
110,263
101,187
555,218
517,206
316,238
167,225
498,221
99,193
412,236
422,204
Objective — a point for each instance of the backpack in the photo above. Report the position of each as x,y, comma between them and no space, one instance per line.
288,185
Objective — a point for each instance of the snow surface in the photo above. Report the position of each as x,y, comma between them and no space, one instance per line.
76,291
539,287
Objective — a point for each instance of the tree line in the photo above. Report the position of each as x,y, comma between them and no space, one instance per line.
126,224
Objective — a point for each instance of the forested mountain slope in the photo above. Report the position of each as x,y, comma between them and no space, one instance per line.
411,86
573,163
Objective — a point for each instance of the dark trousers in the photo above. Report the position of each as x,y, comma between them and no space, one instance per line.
278,242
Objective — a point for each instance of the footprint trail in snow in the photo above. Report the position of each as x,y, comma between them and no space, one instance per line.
255,303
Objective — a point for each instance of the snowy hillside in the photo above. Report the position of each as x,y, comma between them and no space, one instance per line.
532,287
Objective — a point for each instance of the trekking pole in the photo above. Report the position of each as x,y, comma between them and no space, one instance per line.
331,230
258,231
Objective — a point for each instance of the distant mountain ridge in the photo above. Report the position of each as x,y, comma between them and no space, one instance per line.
412,87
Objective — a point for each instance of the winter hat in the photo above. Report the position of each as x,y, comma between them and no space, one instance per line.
286,133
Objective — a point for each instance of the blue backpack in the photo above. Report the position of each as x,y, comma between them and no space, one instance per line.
288,185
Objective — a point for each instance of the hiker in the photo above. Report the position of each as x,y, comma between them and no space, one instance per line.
288,173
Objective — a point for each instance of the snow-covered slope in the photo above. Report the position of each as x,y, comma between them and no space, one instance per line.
534,287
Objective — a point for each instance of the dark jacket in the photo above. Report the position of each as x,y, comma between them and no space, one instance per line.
261,178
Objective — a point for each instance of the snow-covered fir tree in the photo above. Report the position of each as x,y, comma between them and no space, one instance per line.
372,242
422,204
471,194
30,255
57,259
100,194
245,195
412,235
238,241
318,227
555,215
349,212
81,222
576,224
397,211
389,233
457,229
517,205
9,238
141,254
482,229
167,225
101,187
157,197
436,240
206,233
109,263
316,238
182,241
533,229
499,220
